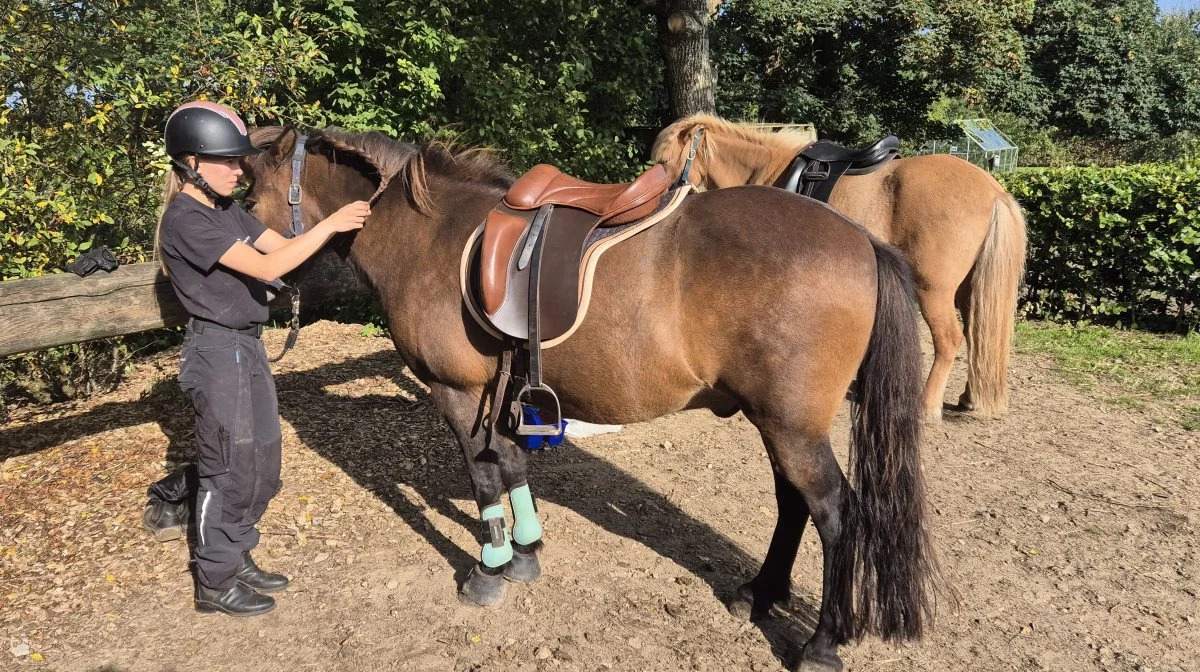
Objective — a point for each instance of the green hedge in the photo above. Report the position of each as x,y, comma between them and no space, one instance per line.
1113,244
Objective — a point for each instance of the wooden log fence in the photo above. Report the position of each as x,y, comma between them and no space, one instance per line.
51,310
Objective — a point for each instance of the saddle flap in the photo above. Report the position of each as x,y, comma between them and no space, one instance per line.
500,237
506,302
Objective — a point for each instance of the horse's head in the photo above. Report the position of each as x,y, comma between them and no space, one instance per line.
334,168
727,154
328,172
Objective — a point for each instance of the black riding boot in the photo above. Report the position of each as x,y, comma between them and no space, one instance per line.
167,521
252,577
166,514
237,601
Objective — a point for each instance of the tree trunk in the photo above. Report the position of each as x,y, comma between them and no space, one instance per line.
683,36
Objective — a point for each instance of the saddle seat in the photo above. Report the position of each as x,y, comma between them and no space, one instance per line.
832,152
616,204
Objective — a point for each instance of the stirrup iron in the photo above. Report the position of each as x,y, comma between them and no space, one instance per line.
545,401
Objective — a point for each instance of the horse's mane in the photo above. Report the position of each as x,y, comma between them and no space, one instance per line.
675,141
390,159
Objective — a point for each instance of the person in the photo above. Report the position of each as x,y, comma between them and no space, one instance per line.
219,259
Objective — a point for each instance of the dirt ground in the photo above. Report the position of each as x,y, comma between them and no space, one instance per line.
1068,530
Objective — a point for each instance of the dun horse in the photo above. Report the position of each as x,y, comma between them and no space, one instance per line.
962,232
726,304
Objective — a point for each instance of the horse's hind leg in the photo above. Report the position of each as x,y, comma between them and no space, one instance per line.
810,482
962,299
937,305
773,585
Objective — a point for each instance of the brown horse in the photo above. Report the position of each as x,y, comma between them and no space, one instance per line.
724,305
962,232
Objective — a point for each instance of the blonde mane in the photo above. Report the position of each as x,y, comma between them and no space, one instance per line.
674,142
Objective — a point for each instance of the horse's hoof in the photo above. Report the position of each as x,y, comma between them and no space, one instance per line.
742,606
965,404
482,590
827,662
746,607
814,666
523,568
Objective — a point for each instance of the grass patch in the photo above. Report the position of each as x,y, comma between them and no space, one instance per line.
1191,419
1143,366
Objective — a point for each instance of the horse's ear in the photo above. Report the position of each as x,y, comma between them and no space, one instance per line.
670,141
283,146
686,132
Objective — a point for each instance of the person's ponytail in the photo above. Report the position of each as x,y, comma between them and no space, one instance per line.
172,184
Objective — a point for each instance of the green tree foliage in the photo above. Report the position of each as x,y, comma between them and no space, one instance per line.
1176,46
859,68
1096,61
1112,71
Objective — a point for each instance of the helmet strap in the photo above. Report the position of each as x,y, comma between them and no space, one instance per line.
200,182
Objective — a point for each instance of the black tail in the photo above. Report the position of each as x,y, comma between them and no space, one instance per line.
886,548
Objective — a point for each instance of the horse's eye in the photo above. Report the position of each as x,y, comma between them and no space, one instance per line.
250,203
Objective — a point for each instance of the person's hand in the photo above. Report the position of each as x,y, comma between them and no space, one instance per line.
349,218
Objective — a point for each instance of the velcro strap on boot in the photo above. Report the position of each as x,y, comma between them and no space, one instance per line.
492,530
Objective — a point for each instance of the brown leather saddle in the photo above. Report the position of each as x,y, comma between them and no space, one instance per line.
817,168
527,274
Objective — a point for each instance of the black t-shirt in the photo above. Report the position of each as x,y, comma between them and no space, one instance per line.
193,238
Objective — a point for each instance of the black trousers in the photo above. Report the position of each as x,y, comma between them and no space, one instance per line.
227,377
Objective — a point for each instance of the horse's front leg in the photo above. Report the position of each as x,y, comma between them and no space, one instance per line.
493,471
527,529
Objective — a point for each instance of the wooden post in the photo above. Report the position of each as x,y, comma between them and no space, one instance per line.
58,309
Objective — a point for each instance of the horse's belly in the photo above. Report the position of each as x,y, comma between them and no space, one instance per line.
626,362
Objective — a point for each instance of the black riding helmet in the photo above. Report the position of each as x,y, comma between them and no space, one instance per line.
205,128
202,127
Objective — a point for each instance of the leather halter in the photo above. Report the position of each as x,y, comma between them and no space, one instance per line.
295,193
295,196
